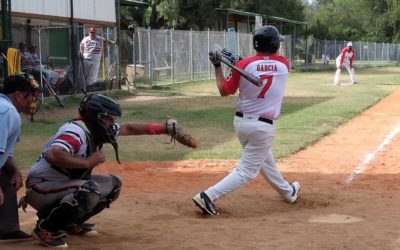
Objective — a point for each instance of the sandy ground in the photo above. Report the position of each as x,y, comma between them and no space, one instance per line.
350,198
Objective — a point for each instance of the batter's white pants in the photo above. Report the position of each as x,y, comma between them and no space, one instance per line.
256,138
91,71
338,71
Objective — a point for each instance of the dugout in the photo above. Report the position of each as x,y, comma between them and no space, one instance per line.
56,27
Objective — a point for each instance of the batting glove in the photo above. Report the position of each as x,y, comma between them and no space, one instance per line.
231,57
215,58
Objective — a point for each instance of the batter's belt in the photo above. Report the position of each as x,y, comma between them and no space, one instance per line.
261,119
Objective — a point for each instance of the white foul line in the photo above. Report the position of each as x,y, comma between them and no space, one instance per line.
360,168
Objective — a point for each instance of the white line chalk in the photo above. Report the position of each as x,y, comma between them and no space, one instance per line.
360,168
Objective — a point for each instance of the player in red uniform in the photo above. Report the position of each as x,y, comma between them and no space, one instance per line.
345,59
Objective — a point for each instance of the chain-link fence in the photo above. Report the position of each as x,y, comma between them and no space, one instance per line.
365,51
169,56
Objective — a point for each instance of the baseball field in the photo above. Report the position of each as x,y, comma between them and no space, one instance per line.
342,143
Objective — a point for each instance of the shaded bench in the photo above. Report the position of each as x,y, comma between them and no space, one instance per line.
157,72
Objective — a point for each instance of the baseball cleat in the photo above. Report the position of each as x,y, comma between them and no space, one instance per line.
202,201
50,239
84,229
296,188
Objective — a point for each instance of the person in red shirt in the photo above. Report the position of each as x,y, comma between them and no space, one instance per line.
345,59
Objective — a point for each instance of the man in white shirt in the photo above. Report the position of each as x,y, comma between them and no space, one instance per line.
91,48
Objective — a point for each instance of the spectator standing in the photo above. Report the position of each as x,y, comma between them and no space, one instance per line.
325,54
90,49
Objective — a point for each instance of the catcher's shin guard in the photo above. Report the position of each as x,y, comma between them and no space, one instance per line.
72,207
105,203
114,194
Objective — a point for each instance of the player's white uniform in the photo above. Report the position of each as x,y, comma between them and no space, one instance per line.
92,55
256,108
345,59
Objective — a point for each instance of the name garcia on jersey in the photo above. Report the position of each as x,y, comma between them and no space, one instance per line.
267,67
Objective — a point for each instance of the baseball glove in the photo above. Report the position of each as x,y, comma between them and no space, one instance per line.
176,132
215,58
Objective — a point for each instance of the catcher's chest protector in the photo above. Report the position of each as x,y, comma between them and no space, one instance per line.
92,147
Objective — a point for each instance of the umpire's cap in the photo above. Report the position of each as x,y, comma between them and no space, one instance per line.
23,82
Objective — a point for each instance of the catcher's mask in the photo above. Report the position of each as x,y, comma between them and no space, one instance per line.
99,112
267,39
27,84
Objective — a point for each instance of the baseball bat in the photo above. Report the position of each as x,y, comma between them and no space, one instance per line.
249,77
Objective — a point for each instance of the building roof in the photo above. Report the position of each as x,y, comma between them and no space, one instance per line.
245,13
133,3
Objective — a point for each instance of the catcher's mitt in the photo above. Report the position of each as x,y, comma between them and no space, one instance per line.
176,132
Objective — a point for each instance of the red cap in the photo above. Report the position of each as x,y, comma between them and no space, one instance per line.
92,30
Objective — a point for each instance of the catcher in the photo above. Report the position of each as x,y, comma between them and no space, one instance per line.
60,185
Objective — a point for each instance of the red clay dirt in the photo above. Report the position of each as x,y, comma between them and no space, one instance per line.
337,207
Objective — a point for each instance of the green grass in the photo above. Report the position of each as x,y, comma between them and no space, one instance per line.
312,108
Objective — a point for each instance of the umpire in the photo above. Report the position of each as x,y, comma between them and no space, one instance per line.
18,95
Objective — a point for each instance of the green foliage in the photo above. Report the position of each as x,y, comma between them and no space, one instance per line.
199,15
359,20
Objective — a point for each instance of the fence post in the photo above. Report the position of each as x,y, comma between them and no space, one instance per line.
172,57
238,42
387,52
224,38
335,49
191,54
250,46
140,49
208,49
149,56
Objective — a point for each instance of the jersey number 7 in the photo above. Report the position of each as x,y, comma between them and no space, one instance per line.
267,85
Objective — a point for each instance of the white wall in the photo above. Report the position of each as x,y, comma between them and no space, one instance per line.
98,10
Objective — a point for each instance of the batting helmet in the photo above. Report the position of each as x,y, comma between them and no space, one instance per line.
92,30
267,39
99,113
349,44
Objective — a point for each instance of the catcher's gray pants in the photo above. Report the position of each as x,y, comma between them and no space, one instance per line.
256,138
47,194
9,221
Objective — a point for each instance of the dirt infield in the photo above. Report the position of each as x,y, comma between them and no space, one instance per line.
350,198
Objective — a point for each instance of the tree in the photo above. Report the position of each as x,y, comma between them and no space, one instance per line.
367,20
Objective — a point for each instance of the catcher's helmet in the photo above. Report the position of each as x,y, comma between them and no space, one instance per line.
99,112
267,39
